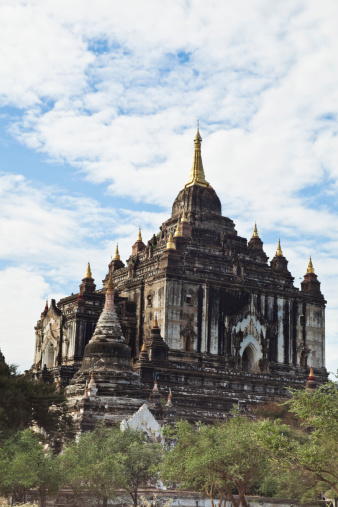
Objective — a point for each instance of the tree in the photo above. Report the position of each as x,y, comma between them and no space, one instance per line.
310,451
25,403
217,460
140,460
25,465
89,466
108,459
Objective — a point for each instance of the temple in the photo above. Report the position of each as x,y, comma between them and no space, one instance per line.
197,308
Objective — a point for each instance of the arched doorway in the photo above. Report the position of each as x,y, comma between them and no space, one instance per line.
248,360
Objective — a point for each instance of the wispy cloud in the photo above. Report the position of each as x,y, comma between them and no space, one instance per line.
114,92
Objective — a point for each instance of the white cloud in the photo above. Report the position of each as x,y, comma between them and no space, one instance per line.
47,238
22,295
114,91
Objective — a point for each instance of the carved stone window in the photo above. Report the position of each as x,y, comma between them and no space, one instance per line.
188,299
149,300
50,356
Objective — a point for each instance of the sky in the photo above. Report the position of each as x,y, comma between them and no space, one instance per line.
98,110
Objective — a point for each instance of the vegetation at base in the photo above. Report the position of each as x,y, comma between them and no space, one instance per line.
310,451
25,403
24,464
217,460
107,460
288,450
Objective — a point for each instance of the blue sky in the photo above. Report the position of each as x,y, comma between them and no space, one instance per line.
98,109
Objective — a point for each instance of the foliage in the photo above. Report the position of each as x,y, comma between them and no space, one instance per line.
25,465
310,452
141,459
217,460
108,459
25,403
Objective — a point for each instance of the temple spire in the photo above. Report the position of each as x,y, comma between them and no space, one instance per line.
197,176
110,284
311,381
255,232
310,268
88,272
170,243
139,237
279,251
178,232
117,253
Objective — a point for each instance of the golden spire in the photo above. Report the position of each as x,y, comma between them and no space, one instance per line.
184,218
311,375
279,251
310,268
155,321
88,272
255,232
110,284
144,347
139,237
171,244
197,176
117,253
178,232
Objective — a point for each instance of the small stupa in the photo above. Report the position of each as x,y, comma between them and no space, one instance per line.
108,355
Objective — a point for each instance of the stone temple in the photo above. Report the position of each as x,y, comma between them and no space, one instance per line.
197,309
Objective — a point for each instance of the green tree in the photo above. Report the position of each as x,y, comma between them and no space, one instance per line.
90,467
24,465
311,451
140,460
217,460
25,403
108,459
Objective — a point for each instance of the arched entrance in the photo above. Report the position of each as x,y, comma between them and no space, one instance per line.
248,360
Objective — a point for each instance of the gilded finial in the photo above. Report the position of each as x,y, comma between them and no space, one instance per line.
178,232
255,232
279,251
88,272
171,244
110,284
311,375
144,347
117,253
86,390
197,176
169,402
310,268
139,237
184,217
155,321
